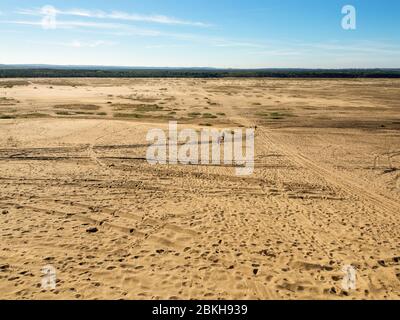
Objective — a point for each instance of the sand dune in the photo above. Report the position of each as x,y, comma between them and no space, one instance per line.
77,193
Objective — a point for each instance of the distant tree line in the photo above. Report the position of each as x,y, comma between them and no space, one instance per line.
198,73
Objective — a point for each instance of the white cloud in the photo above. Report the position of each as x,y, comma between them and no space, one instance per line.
153,18
92,44
68,24
121,29
279,53
78,43
116,15
224,43
164,46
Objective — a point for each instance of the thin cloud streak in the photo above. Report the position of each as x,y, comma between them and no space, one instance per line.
92,44
78,44
131,30
116,15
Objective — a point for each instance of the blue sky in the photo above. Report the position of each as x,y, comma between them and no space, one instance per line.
200,33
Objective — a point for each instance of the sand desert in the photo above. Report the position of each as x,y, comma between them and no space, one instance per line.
77,194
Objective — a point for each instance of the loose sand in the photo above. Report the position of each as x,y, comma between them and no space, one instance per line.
324,194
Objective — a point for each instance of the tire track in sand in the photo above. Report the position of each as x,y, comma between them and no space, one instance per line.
352,185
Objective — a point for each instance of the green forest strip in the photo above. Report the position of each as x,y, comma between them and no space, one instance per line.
197,73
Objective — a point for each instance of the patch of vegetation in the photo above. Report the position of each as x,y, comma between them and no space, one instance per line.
123,106
65,113
209,116
33,115
123,115
7,116
221,114
98,72
128,115
101,113
149,108
12,83
276,115
24,116
194,114
138,107
4,101
62,83
206,124
8,110
139,99
146,100
87,107
84,113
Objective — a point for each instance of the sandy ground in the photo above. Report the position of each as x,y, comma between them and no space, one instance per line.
324,194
